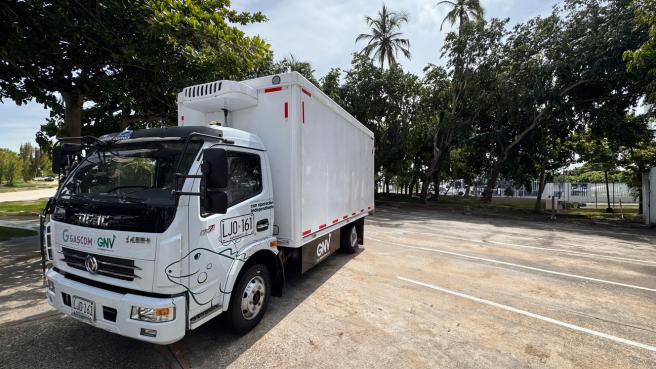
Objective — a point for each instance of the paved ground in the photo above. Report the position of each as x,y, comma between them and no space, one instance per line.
27,195
430,289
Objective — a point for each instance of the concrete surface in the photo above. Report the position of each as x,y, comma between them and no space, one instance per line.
429,290
27,195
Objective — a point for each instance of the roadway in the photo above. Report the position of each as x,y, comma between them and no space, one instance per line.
429,290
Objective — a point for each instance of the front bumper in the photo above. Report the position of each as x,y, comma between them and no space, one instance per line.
105,301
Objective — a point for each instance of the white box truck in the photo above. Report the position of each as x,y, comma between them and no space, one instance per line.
154,232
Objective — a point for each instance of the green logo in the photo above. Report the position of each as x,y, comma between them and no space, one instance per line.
106,242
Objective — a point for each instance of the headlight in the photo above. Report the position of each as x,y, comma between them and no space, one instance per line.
155,315
51,285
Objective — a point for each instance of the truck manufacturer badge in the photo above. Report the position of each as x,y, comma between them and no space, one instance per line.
237,227
92,219
91,264
137,240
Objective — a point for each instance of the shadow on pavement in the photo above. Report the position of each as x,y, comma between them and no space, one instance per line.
49,339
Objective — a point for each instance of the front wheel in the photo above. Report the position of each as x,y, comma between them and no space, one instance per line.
250,298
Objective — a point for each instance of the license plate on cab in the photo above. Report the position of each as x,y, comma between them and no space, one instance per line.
84,309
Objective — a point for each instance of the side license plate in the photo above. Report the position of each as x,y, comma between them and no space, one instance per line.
84,309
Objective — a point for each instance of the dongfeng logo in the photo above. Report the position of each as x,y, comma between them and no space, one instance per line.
91,264
92,219
323,247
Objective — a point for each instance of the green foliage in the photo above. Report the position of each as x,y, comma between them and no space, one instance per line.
291,64
462,11
385,41
129,59
642,60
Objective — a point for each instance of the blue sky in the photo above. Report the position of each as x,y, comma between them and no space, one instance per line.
319,31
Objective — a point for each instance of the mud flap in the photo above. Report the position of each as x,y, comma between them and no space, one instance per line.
318,249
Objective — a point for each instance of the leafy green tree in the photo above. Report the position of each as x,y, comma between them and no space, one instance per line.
125,60
27,160
292,64
642,60
385,41
462,11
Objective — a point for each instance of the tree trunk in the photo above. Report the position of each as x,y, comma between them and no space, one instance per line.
491,182
467,188
72,114
386,185
541,186
412,185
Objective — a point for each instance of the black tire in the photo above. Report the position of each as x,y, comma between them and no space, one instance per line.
349,239
251,281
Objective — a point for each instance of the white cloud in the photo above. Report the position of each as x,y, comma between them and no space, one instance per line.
324,32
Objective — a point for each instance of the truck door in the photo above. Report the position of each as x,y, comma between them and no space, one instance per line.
218,241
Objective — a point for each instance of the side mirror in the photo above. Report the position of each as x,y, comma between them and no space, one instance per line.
215,168
216,202
61,153
57,160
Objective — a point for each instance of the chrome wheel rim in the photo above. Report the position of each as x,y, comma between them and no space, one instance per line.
252,299
354,237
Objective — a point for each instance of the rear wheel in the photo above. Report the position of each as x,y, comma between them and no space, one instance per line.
349,239
250,298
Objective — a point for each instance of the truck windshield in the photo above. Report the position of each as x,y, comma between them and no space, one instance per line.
130,172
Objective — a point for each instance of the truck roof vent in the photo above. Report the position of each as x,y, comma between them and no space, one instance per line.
206,89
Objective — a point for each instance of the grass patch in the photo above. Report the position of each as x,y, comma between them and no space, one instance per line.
7,233
26,186
22,207
631,212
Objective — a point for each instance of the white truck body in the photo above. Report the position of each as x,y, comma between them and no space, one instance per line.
301,174
317,150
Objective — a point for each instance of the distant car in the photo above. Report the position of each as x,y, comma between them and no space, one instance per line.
48,179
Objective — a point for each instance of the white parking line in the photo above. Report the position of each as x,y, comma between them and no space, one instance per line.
562,251
518,265
533,315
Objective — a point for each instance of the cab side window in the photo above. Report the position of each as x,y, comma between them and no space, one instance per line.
245,179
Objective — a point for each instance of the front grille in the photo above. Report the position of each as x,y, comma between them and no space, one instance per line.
123,269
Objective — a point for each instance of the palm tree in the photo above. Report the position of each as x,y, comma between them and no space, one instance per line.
462,11
385,40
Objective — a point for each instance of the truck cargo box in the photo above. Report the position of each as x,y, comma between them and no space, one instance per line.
321,157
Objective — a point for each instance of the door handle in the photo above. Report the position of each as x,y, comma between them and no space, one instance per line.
262,225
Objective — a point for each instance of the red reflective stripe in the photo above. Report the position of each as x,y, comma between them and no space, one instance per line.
345,216
361,210
335,221
368,207
272,89
183,118
352,213
302,111
306,92
307,232
322,226
286,110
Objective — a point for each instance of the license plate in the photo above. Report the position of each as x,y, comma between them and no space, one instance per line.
84,309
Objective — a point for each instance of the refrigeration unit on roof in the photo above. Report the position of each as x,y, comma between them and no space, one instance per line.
219,95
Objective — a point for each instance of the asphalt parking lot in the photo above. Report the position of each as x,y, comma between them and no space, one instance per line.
429,290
